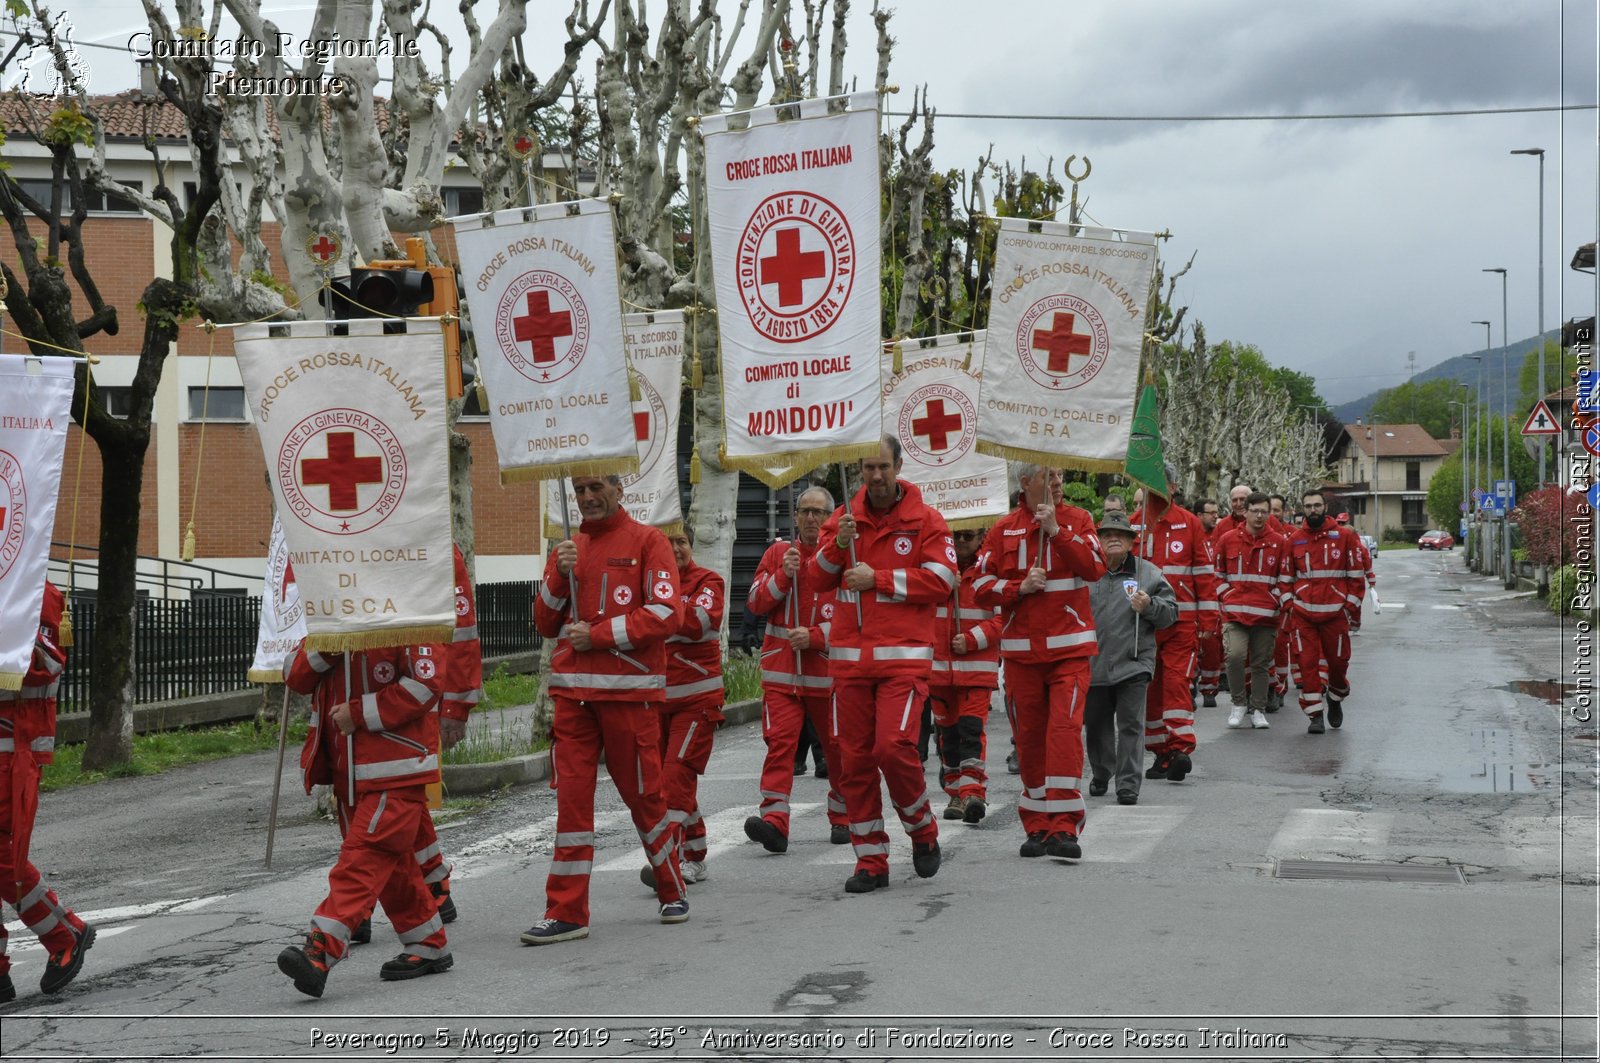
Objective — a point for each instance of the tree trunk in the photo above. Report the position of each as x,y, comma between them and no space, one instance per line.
112,667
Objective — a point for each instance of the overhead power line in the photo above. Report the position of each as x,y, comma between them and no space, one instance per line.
1249,117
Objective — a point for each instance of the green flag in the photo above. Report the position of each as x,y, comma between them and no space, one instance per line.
1146,465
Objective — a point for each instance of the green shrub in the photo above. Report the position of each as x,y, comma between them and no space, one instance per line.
1395,535
741,676
506,688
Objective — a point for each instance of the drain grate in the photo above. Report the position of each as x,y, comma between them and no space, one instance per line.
1350,871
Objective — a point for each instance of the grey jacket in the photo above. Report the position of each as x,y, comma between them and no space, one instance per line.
1128,639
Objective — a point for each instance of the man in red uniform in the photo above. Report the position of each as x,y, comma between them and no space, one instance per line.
693,709
795,682
1235,515
374,738
1369,572
966,671
1324,562
27,741
1036,566
610,597
1172,539
893,555
1252,566
1208,634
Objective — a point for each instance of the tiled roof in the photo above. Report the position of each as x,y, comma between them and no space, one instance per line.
133,115
1395,440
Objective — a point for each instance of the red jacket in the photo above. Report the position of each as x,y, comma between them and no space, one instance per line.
463,675
1326,568
694,651
28,715
628,593
396,738
980,666
1054,623
1252,576
1176,543
910,549
774,596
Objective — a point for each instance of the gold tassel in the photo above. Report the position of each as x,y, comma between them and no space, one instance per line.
187,554
635,393
694,467
966,365
64,629
697,378
898,365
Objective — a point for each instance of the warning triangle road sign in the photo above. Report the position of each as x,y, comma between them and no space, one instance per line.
1540,422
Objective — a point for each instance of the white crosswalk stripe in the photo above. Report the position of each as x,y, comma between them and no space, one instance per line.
1129,834
1308,833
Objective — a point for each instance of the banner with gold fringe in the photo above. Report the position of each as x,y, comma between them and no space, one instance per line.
654,344
930,403
283,618
541,285
1061,357
35,397
792,202
354,434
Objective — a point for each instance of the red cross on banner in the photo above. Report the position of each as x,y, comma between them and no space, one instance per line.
641,428
541,328
937,425
341,472
790,267
1061,342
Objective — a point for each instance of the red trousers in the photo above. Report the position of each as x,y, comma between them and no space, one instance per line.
377,865
1048,706
430,858
876,723
629,733
37,904
1210,656
1321,659
782,717
686,733
1169,700
961,713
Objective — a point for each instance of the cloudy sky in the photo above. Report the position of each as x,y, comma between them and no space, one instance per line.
1336,246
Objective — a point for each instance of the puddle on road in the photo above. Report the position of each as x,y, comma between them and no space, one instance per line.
1554,691
1498,777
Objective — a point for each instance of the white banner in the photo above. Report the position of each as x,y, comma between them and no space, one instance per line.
35,403
354,434
792,206
654,344
541,284
283,618
1061,359
931,406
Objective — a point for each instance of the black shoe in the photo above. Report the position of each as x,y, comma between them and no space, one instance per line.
838,835
8,991
1098,787
550,931
1127,797
799,767
1335,713
976,810
647,875
447,907
866,882
406,966
1207,701
822,769
771,838
925,858
1180,767
361,934
307,964
1062,847
1034,846
1011,759
1316,726
63,966
1159,769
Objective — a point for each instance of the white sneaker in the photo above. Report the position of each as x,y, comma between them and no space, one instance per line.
694,871
1236,716
1258,720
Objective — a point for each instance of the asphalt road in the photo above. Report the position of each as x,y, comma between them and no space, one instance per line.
1172,935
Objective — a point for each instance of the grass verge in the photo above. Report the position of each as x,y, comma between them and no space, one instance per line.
163,750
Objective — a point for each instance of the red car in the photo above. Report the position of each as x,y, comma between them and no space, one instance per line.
1436,540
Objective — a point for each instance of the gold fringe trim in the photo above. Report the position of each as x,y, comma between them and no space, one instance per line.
601,467
1043,457
671,528
972,523
264,675
349,641
779,470
12,680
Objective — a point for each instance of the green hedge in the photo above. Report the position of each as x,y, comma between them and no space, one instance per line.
1563,587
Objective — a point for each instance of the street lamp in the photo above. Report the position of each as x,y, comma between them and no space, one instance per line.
1540,153
1505,425
1463,453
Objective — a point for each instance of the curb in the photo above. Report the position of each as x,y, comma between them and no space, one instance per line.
462,780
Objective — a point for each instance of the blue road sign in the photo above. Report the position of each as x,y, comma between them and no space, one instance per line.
1589,391
1591,439
1594,496
1505,493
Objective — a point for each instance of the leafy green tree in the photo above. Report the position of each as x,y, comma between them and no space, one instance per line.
1559,366
1444,494
1424,402
1302,387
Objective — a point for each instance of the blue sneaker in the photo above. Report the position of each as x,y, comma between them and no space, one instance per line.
549,931
675,911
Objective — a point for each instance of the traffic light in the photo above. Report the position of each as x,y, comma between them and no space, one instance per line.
398,289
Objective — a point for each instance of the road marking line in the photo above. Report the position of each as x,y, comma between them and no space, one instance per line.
1129,834
31,944
536,839
724,831
953,834
1330,831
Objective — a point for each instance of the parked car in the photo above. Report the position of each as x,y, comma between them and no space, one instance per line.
1436,540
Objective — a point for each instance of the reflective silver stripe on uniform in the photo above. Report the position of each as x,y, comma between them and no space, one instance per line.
377,813
681,659
874,849
369,712
1015,645
53,666
1202,570
1071,583
828,566
845,653
777,632
388,769
897,580
982,582
31,693
1061,782
1057,642
826,627
1251,610
976,666
317,662
574,837
657,609
598,681
417,690
34,896
332,927
1247,577
424,855
1318,607
866,826
619,632
943,571
704,618
417,933
464,697
1188,607
7,745
773,801
820,682
902,653
774,590
688,736
655,832
551,602
979,639
571,867
1325,573
699,686
1034,804
465,634
678,815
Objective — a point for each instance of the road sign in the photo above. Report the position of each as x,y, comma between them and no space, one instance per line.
1594,496
1540,422
1505,491
1591,439
1588,391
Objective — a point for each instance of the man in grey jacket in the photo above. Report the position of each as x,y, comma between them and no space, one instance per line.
1130,602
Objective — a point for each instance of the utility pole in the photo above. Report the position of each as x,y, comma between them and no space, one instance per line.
1540,357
